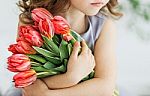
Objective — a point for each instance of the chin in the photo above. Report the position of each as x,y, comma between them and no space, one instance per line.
91,13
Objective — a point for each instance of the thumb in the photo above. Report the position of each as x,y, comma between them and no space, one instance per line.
75,50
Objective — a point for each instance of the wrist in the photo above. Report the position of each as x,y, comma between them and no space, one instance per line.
75,79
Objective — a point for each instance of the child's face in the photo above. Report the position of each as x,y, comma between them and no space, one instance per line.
89,7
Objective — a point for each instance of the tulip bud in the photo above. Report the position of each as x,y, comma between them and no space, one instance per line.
12,48
46,28
67,37
29,34
22,47
25,29
25,78
40,13
18,62
61,25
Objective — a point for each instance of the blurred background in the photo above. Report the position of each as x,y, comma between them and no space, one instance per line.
133,46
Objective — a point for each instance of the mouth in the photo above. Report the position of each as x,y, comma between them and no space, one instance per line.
97,4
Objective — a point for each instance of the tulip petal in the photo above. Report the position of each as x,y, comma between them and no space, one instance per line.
25,82
23,67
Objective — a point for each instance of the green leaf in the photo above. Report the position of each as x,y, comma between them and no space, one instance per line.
54,60
76,36
44,52
86,78
72,41
63,50
65,62
47,47
91,75
56,39
35,64
40,69
69,47
51,44
49,65
135,3
61,68
37,58
46,74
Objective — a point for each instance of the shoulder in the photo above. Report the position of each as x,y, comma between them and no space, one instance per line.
100,22
107,23
108,34
105,19
109,26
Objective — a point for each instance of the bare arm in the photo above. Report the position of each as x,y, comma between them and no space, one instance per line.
104,82
60,81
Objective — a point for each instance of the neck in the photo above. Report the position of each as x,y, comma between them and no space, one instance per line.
76,19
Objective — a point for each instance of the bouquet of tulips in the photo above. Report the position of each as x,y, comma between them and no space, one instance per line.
42,49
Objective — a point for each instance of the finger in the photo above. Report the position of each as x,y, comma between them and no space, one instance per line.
90,52
84,47
75,50
93,61
91,58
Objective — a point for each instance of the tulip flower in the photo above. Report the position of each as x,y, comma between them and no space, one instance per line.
67,37
31,35
25,78
25,29
12,48
36,26
46,28
61,25
22,47
18,63
40,13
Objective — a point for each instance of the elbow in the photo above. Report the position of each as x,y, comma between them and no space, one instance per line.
108,89
105,93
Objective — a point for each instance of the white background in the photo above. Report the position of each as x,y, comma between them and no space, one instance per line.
133,53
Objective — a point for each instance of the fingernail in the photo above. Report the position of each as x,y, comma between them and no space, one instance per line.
77,43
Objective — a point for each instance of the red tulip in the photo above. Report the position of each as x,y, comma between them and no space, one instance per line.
22,47
36,26
21,38
30,35
67,37
46,28
61,25
25,78
40,13
12,48
18,62
25,29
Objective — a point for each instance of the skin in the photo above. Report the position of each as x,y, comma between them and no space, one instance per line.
104,60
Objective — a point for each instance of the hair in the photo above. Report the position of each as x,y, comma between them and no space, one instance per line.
56,6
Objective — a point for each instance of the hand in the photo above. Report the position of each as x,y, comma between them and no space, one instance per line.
38,88
82,65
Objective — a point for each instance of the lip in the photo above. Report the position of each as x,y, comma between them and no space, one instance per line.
97,4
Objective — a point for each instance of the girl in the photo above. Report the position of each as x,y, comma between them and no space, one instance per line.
91,19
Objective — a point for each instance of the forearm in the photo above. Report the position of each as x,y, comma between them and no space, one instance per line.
92,87
60,81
